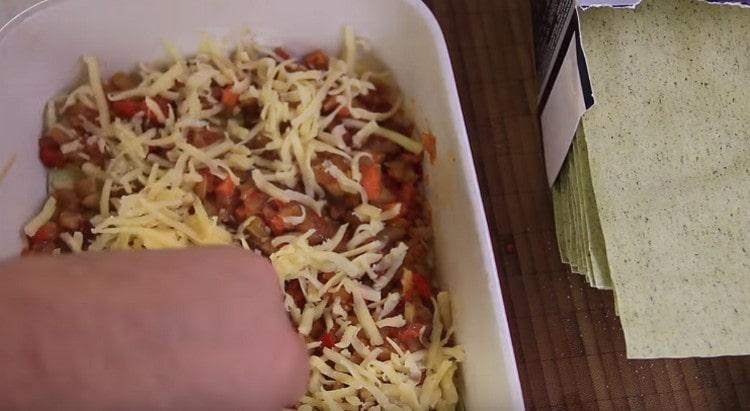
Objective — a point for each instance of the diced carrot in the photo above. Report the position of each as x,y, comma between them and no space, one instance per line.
127,108
316,60
225,188
328,339
282,53
422,286
229,98
372,179
47,232
430,145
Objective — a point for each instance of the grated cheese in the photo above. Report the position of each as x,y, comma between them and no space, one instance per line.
407,143
74,241
96,86
42,218
148,201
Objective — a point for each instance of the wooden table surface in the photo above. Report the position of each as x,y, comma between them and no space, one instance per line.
568,342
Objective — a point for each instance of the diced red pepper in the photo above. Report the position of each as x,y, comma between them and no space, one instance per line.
225,188
422,285
328,339
372,179
127,108
229,98
47,232
50,154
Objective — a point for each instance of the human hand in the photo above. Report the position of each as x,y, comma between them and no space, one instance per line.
201,328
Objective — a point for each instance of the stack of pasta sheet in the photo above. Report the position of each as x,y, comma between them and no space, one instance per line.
653,201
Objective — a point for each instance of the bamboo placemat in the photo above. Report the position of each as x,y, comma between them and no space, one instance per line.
568,342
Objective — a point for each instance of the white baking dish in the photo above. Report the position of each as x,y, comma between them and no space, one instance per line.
40,56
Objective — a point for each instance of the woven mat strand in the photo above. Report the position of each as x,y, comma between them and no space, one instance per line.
568,342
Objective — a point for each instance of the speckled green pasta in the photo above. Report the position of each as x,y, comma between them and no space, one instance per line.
597,252
577,220
581,247
559,200
669,151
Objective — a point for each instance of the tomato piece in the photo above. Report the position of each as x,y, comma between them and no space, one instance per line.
225,188
47,232
372,179
422,285
328,339
229,98
127,108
